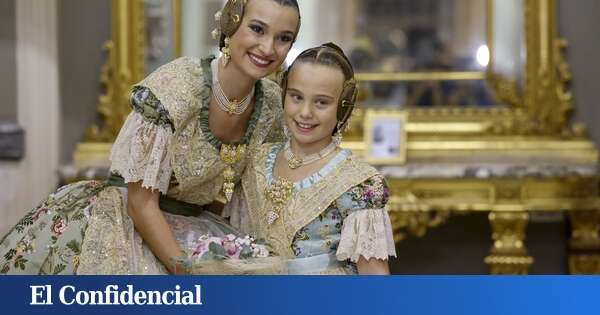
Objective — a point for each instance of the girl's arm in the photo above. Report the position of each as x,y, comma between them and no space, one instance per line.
142,207
372,266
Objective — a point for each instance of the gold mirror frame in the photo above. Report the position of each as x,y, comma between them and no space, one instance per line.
535,124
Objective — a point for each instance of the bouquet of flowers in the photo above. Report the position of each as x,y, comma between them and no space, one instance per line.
233,255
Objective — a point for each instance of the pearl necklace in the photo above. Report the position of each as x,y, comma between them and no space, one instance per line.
233,107
295,162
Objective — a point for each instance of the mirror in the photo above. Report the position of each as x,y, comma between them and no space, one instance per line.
506,40
435,53
162,29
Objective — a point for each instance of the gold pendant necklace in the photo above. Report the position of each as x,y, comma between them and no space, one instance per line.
278,194
295,162
230,155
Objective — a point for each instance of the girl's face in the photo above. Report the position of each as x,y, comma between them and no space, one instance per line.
265,36
310,104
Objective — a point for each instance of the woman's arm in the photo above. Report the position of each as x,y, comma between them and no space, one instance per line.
372,266
142,206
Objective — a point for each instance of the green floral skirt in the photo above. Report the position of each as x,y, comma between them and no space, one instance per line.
48,239
84,228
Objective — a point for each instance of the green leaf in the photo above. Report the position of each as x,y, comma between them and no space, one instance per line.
246,252
217,250
10,254
20,262
74,246
59,268
77,216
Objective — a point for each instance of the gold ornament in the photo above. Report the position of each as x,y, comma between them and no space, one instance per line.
294,162
226,51
230,155
278,194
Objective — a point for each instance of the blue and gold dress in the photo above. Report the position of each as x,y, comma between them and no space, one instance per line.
332,217
165,143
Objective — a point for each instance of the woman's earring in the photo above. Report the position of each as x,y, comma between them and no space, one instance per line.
337,137
226,51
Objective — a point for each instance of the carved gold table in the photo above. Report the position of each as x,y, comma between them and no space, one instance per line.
425,195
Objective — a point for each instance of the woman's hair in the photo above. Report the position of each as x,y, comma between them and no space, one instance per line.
233,26
331,55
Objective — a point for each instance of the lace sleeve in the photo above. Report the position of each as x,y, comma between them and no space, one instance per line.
366,229
140,152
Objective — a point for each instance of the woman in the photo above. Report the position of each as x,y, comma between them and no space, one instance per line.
187,141
310,200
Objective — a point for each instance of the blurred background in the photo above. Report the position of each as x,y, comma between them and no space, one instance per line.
496,102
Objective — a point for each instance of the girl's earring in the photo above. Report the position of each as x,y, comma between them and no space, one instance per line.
286,131
226,51
338,137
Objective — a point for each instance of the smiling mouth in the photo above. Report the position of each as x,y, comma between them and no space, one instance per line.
259,61
304,127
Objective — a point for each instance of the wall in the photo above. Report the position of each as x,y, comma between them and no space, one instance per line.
83,28
8,80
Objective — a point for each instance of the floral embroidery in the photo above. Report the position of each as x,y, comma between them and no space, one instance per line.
145,102
322,235
59,226
56,226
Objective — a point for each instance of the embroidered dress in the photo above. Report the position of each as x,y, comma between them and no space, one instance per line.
332,218
166,144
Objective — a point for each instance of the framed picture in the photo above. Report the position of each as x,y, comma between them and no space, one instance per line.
385,133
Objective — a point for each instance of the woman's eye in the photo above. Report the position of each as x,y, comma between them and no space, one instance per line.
256,29
296,97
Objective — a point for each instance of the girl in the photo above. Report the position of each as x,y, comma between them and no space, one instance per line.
312,201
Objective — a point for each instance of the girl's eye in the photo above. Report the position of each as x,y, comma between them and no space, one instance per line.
297,98
322,103
285,38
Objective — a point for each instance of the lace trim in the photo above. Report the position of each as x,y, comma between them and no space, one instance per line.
366,233
311,179
141,153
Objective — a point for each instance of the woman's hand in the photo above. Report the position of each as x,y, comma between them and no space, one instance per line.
372,266
142,206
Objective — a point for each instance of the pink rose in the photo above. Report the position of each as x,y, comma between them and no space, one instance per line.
59,227
201,248
231,250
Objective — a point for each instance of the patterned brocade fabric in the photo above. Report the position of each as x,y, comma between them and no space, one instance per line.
145,102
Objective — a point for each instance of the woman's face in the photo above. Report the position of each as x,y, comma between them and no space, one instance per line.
311,101
265,36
